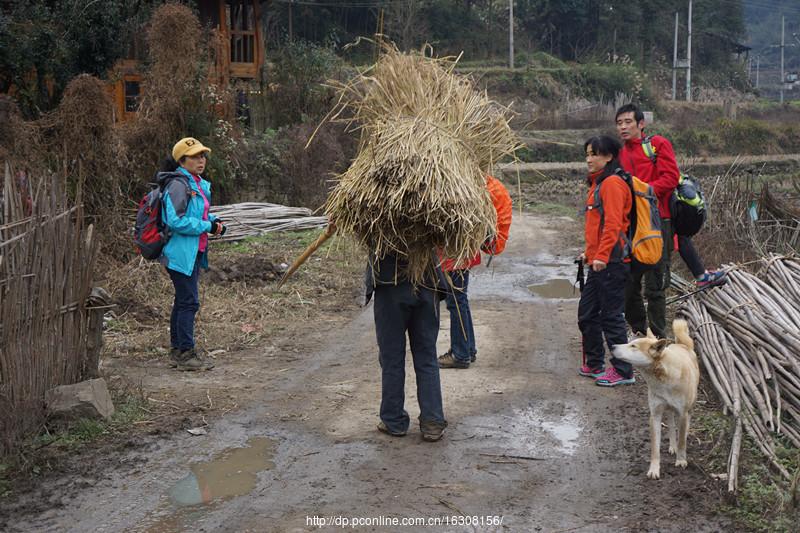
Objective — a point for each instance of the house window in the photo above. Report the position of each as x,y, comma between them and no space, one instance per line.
242,28
131,95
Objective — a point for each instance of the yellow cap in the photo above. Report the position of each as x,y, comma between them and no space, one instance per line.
188,146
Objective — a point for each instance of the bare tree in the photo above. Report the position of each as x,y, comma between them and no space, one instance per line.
404,24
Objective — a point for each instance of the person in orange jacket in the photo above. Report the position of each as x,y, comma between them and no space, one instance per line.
600,311
462,350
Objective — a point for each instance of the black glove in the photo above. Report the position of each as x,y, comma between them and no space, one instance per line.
217,227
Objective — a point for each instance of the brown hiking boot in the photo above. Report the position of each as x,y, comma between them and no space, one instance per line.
384,429
173,357
190,360
432,431
448,360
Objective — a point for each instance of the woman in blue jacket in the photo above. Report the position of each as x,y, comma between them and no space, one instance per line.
186,203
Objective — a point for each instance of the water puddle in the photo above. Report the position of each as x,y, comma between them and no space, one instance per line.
564,429
558,288
540,430
232,474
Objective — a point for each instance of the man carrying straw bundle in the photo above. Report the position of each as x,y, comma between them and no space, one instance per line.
416,187
399,308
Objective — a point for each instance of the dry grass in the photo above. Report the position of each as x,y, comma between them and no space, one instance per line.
172,89
239,303
428,140
731,235
20,141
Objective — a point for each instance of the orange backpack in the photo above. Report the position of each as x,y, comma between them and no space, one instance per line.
645,239
504,207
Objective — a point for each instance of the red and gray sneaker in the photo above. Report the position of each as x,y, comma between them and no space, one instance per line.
612,378
711,278
589,372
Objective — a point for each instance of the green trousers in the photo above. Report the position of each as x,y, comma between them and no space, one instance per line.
656,281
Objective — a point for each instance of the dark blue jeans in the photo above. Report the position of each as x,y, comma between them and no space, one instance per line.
601,313
184,308
462,334
400,309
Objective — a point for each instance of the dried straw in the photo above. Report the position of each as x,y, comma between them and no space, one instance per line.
418,183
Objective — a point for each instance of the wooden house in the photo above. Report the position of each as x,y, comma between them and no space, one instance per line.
236,41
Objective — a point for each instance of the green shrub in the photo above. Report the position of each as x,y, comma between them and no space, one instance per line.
696,142
546,60
296,76
747,136
605,82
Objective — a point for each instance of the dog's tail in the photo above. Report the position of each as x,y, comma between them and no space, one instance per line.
681,330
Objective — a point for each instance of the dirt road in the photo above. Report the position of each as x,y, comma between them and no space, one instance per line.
530,442
684,162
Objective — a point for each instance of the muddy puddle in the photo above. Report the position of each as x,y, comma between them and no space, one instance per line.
186,504
233,473
555,289
534,430
562,429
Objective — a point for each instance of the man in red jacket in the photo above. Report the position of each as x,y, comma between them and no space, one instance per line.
663,177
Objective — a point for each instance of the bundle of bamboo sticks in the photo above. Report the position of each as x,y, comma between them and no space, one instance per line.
251,219
747,335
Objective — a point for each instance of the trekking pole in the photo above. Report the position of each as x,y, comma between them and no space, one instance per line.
579,277
491,249
682,297
329,231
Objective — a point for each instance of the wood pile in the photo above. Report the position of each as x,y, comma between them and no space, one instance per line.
747,335
251,219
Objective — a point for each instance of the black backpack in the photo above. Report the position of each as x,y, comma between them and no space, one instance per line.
687,207
687,204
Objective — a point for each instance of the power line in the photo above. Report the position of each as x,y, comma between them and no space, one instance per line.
344,3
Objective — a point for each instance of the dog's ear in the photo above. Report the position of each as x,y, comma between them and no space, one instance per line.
657,347
650,334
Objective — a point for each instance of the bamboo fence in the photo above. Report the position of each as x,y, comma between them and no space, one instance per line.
47,257
747,335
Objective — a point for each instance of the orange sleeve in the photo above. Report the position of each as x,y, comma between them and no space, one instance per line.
504,207
616,197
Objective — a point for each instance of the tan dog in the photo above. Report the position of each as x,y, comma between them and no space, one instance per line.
672,376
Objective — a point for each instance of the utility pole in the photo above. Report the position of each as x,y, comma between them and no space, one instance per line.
758,62
290,20
675,61
689,57
783,46
510,33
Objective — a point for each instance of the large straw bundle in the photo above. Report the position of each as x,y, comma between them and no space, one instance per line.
418,183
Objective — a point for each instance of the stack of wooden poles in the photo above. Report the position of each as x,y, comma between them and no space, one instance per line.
747,335
251,219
